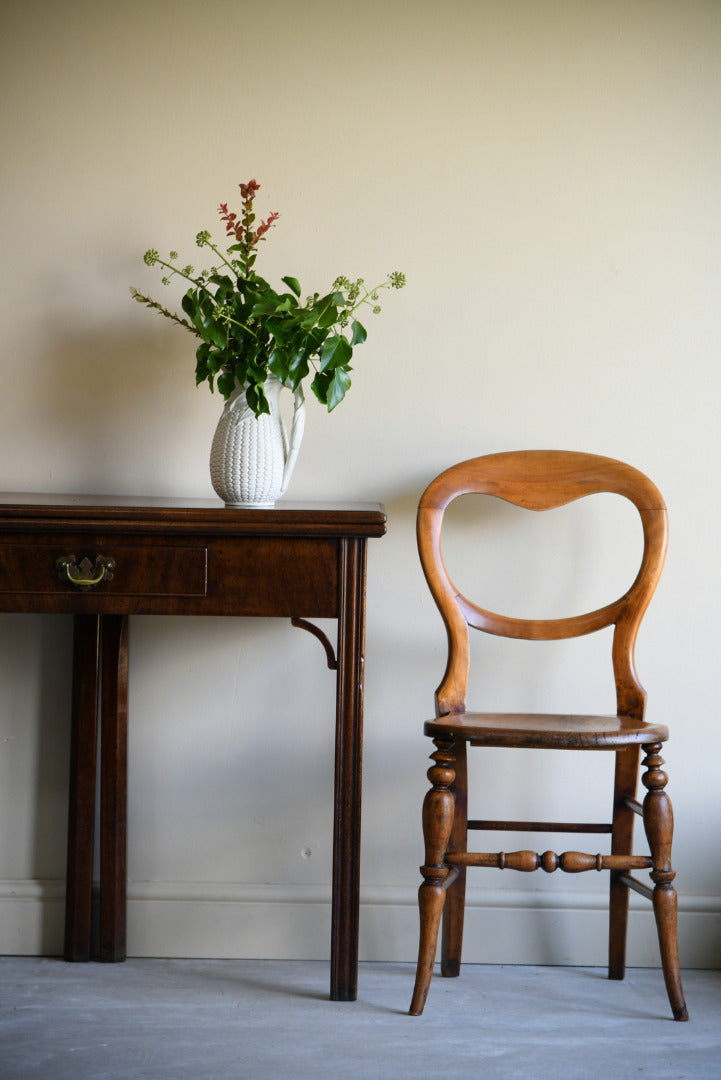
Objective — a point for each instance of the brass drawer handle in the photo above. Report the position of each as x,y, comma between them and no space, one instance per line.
85,575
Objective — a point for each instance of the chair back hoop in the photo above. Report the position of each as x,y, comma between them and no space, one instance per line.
541,480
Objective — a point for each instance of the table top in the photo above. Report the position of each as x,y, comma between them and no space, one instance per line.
23,509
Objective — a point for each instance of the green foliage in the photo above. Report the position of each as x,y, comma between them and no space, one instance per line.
249,330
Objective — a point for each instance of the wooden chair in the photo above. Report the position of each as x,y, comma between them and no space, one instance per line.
542,480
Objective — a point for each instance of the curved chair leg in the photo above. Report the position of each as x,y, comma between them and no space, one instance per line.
626,776
455,903
437,825
658,823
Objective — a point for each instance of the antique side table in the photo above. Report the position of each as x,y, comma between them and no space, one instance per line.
103,559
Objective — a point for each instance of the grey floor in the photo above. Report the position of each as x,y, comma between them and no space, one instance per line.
272,1020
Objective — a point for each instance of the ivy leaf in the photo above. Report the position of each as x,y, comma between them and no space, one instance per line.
214,362
226,383
278,364
202,371
189,305
308,319
298,367
293,284
358,333
328,317
337,389
256,399
320,386
336,352
222,281
218,333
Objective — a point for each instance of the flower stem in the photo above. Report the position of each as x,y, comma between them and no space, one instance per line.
364,299
177,270
222,257
149,302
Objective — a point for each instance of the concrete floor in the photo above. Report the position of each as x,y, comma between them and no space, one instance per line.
271,1020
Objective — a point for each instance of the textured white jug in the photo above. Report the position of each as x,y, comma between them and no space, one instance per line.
252,459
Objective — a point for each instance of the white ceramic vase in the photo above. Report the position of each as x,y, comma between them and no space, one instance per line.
252,459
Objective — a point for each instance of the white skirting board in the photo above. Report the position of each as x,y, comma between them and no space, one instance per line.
293,922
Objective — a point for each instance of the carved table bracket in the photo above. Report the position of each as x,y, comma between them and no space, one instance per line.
303,624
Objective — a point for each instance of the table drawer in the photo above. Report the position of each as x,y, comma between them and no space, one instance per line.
273,576
161,570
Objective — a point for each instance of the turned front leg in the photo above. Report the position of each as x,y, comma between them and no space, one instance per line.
437,824
658,823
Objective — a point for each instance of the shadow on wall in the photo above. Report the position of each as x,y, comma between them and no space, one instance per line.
36,670
111,411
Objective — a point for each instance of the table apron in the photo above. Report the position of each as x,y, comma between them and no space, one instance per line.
268,576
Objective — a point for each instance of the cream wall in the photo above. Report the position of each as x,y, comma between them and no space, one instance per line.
547,175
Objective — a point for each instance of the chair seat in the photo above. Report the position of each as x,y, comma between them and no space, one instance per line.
546,730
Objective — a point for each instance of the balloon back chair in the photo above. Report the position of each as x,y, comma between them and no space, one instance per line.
543,480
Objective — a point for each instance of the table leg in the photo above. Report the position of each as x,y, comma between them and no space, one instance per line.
81,816
348,771
113,787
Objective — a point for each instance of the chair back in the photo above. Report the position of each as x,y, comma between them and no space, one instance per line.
542,480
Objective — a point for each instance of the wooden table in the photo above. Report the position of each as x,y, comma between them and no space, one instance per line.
103,559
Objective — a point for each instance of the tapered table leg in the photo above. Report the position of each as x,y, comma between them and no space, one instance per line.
348,773
81,815
113,787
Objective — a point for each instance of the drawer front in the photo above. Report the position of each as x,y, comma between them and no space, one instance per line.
277,576
162,570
